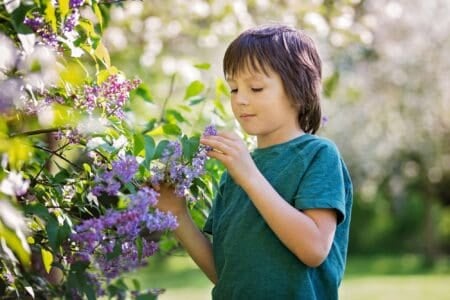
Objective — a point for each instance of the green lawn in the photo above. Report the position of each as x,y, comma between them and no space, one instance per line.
385,278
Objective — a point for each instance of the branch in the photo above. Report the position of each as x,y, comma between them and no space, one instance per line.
39,131
172,82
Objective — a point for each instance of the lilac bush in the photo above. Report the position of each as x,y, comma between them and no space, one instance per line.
86,190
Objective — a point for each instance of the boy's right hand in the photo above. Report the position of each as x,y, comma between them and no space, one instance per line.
169,201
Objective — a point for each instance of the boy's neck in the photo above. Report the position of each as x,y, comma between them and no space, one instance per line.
266,141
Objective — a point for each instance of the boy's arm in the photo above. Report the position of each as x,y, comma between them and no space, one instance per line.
196,244
191,238
309,234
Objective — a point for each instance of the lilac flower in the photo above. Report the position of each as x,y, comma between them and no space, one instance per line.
110,182
145,197
76,3
42,29
324,120
160,221
106,183
71,21
209,130
125,168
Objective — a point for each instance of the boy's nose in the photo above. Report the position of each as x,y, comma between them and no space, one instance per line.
241,99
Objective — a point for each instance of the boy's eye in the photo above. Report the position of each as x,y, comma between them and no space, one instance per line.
256,90
233,91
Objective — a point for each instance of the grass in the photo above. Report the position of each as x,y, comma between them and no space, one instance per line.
369,278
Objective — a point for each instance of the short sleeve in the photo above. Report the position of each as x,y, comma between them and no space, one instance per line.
322,185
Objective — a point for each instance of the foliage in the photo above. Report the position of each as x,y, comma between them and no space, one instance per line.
77,201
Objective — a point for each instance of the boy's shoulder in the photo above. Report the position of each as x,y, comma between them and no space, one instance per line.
312,144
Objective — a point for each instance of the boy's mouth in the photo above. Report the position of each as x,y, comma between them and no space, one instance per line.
246,116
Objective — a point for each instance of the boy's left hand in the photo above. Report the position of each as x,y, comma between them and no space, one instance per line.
229,148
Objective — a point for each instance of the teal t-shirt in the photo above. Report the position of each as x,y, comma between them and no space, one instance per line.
251,262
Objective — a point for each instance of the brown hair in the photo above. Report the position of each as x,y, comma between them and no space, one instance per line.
290,53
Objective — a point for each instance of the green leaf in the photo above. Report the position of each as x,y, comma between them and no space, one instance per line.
102,53
221,88
88,28
98,14
52,228
47,259
143,92
203,66
173,116
64,232
136,284
171,129
37,209
195,88
138,144
147,296
190,146
18,16
160,148
16,244
104,74
196,100
87,168
149,144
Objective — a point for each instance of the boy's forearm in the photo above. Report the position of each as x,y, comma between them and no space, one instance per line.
196,244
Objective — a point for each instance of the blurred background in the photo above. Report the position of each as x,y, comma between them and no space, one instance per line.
385,95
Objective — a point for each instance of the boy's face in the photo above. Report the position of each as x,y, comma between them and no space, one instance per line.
261,106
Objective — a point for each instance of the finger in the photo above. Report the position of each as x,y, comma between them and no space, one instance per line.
156,186
218,145
220,139
229,135
222,157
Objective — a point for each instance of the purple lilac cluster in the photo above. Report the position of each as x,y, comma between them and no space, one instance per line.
71,21
122,172
110,96
76,3
43,29
97,239
31,106
172,169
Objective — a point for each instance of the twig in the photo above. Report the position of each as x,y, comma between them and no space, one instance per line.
58,155
172,82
